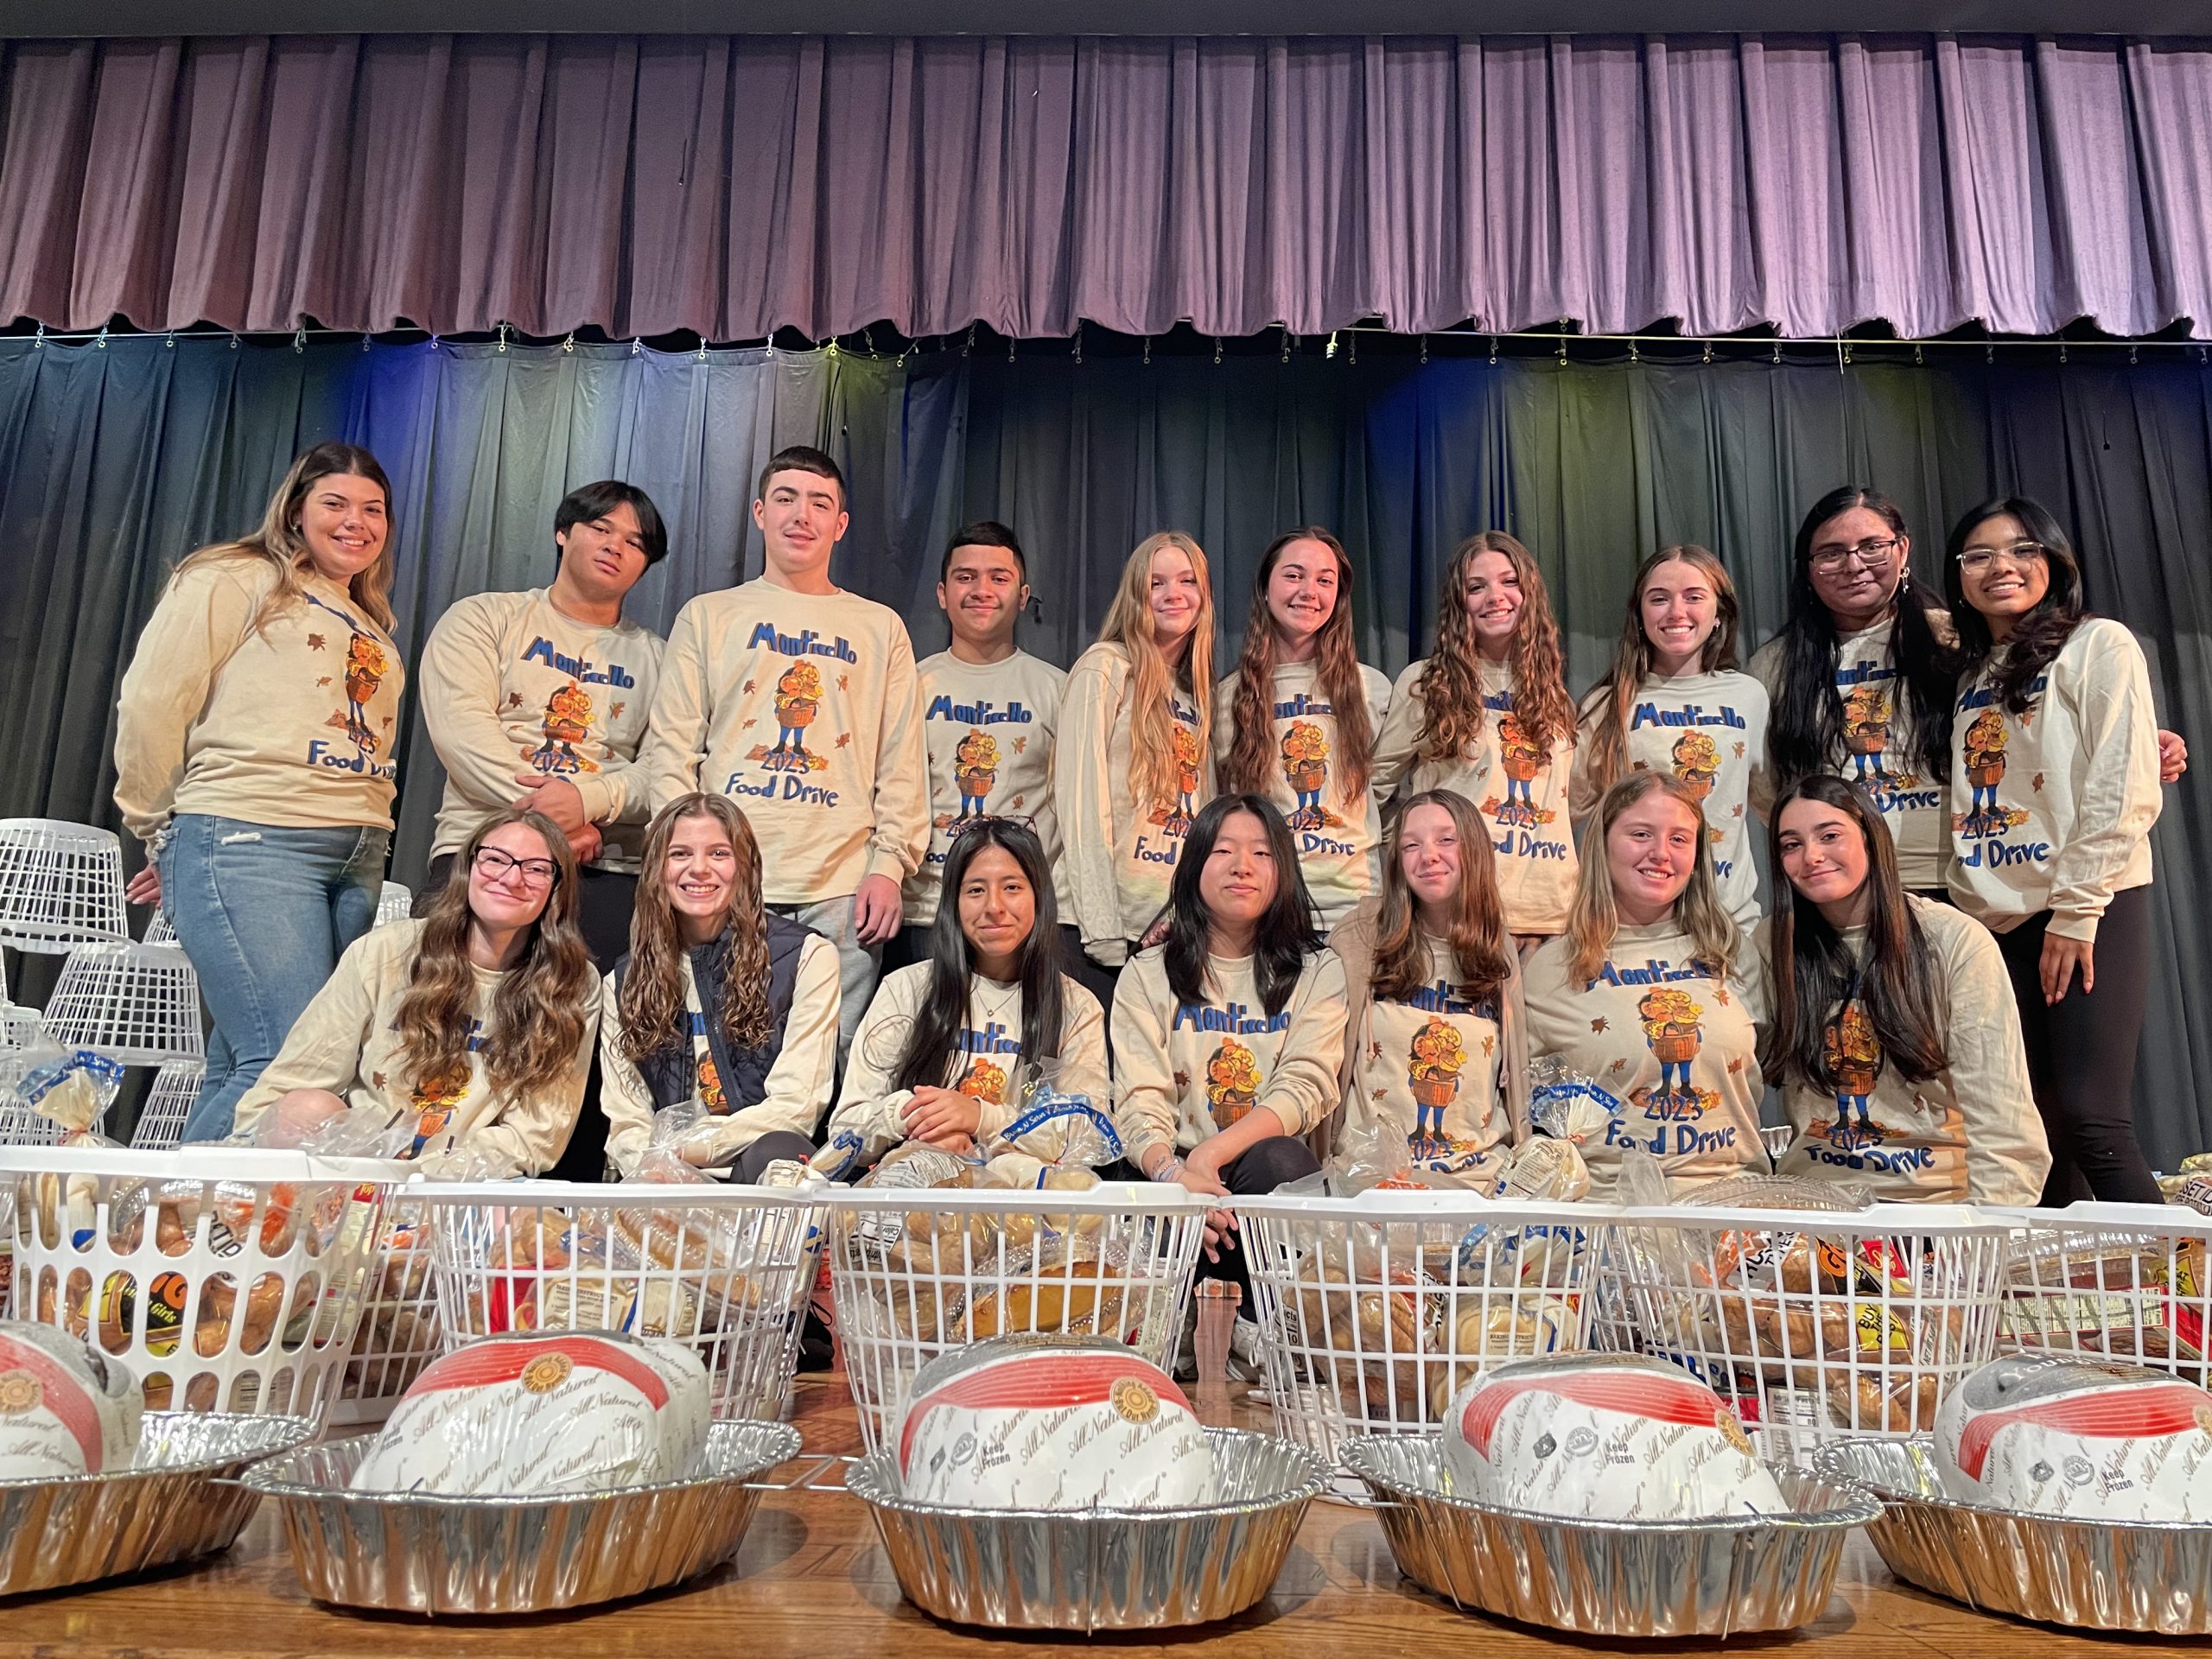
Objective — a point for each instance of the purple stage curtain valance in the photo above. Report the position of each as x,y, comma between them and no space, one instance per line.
731,186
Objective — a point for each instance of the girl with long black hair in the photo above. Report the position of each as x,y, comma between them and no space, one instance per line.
1894,1039
2054,788
940,1054
1228,1037
1862,675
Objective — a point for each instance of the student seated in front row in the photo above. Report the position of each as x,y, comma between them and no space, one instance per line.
475,1022
1228,1037
940,1053
719,1001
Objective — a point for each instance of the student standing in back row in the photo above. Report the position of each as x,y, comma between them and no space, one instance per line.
539,698
1299,716
253,749
988,711
1132,762
796,699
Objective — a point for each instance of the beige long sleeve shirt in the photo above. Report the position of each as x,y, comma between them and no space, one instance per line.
798,1087
1524,800
1970,1134
985,1063
988,729
1708,731
2052,809
291,725
346,1042
801,709
1880,752
1336,835
1121,855
1185,1071
511,686
1677,1048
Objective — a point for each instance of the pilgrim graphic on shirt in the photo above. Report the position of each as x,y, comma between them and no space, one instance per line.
1696,762
1521,759
1305,769
435,1102
798,699
1866,734
364,672
1232,1082
1433,1063
1176,820
568,722
1671,1027
975,768
1985,746
984,1080
1853,1053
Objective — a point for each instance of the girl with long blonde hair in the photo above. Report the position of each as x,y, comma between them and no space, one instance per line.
1652,992
1488,716
255,730
1674,701
1302,710
473,1025
1436,1039
1132,758
720,1003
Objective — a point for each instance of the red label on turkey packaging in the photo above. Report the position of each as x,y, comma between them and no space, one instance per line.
2117,1414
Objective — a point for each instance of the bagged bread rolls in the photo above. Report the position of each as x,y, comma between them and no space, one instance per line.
1051,1423
1067,1284
66,1408
534,1415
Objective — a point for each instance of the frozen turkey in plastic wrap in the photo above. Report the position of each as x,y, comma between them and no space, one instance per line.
2092,1441
1050,1423
1603,1437
547,1412
66,1408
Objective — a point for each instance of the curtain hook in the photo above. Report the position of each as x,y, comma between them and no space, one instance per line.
234,341
1493,350
868,341
365,344
2131,357
968,349
1917,361
102,341
1562,348
1424,351
1777,353
39,343
569,346
169,340
1285,343
1634,356
1009,348
1079,340
1217,351
299,339
1988,354
2061,354
502,346
1148,351
636,346
1329,352
1706,356
1351,347
703,348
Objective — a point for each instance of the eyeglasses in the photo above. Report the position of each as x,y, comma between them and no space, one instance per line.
495,866
1977,559
1868,555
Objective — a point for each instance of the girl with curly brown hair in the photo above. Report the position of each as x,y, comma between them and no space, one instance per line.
475,1023
1488,717
719,1000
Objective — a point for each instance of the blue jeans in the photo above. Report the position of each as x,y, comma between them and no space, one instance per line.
857,963
264,914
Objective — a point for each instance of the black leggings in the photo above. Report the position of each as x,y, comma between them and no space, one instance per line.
2082,1055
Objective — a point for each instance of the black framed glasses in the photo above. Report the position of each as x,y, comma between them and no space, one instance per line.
1869,553
495,866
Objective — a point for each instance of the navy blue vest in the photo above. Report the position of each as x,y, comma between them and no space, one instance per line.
672,1074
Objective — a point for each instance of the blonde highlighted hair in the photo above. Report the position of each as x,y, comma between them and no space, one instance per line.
1602,755
279,544
1152,721
651,1006
1452,685
1593,917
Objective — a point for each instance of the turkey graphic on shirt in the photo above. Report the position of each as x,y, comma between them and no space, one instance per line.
1867,737
568,722
1176,820
1232,1083
975,769
798,699
1305,769
434,1103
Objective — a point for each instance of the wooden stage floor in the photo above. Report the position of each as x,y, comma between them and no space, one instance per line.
812,1581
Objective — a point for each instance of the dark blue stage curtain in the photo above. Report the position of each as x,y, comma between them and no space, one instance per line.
117,460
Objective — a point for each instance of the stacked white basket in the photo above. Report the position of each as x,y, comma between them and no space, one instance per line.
168,1104
227,1280
60,885
917,1271
725,1269
393,903
1814,1324
2121,1280
1373,1311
